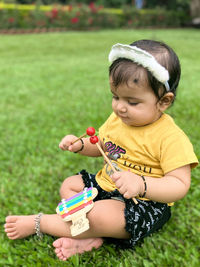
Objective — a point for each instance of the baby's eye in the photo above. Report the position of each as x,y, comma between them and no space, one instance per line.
133,103
115,97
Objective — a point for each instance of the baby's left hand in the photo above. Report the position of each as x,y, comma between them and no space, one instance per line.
129,184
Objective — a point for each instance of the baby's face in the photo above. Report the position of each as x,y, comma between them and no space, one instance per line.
135,103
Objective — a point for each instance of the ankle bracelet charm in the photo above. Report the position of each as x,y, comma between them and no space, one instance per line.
37,225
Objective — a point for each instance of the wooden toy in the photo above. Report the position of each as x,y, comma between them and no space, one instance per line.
89,131
75,208
94,140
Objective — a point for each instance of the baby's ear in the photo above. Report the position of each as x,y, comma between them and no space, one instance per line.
166,101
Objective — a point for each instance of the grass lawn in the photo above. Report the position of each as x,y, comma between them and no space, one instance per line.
54,84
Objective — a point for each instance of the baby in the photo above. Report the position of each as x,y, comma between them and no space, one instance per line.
152,157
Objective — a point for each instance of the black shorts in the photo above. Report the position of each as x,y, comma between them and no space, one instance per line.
142,219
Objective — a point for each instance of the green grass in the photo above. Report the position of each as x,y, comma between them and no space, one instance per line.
54,84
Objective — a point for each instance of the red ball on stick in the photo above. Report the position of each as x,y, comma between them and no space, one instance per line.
94,139
90,131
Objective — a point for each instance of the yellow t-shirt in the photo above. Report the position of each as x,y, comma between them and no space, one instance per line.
152,150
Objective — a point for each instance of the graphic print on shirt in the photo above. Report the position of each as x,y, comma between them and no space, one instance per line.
115,152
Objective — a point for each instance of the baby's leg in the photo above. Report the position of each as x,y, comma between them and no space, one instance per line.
23,226
17,227
109,222
71,186
106,220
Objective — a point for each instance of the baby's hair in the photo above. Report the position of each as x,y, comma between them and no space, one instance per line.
122,69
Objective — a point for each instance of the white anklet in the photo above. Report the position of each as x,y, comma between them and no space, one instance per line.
37,225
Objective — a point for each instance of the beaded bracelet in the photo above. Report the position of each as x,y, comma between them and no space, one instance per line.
145,186
37,225
81,146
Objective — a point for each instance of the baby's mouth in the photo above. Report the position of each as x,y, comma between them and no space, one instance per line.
122,116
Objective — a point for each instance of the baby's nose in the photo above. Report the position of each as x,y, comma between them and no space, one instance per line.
121,107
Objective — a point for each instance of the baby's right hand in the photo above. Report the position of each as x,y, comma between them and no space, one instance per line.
66,143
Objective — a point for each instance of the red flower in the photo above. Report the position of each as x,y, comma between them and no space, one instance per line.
92,7
54,13
74,20
11,20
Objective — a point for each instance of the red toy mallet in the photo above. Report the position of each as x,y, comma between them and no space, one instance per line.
90,131
94,140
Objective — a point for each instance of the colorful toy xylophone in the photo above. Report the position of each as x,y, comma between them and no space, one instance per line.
75,208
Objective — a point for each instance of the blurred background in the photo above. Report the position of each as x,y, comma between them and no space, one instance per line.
56,83
62,15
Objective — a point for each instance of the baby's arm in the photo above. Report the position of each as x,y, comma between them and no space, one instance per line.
171,187
86,147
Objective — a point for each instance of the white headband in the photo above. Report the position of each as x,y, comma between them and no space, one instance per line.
143,58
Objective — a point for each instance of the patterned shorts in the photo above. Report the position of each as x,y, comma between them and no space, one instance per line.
142,219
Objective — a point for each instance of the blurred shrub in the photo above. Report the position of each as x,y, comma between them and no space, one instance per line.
169,4
158,17
86,17
70,17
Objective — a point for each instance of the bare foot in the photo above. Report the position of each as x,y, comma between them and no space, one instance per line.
17,227
66,247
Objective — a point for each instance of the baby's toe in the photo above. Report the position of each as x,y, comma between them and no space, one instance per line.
11,219
12,235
